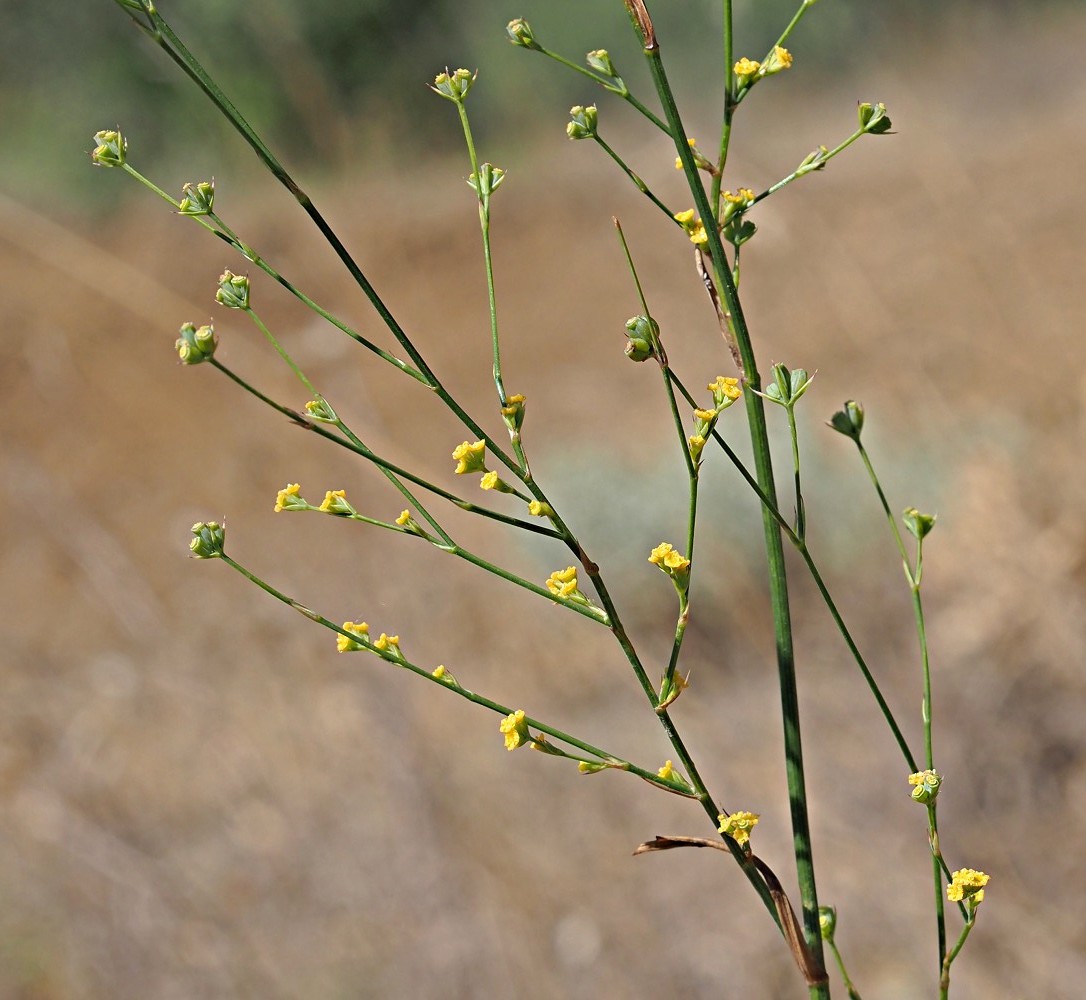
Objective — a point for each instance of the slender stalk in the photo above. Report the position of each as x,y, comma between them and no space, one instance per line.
637,181
729,107
774,547
215,225
809,168
914,576
457,688
163,35
820,583
605,82
360,449
944,978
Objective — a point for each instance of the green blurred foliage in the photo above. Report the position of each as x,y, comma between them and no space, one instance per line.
333,84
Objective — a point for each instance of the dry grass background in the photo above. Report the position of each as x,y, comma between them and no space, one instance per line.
201,799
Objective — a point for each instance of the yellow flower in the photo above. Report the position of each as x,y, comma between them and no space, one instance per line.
746,69
404,518
489,481
438,672
288,499
967,883
698,235
667,772
387,643
778,60
470,457
336,502
563,582
515,729
685,219
738,825
705,414
741,197
537,509
668,558
345,645
925,785
724,388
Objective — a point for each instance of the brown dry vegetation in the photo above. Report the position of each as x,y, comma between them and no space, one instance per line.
201,799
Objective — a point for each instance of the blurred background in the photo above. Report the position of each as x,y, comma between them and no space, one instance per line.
200,798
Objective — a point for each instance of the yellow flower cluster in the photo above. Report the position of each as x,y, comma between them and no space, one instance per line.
563,582
967,883
470,457
738,825
693,227
514,727
345,645
288,498
669,559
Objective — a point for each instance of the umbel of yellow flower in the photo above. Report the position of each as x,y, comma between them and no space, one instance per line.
345,645
967,883
289,498
470,457
514,727
563,582
738,826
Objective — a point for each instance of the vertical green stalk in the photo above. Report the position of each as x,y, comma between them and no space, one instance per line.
778,584
914,577
729,107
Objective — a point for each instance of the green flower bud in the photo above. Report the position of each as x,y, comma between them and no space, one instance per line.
583,122
513,413
197,199
110,150
196,345
925,786
849,421
873,118
233,290
642,333
600,61
208,540
520,33
321,410
814,160
827,918
454,86
918,524
490,178
787,386
738,231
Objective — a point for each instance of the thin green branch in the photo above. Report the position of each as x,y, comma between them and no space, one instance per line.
358,449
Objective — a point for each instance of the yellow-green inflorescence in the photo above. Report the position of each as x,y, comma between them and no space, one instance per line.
514,727
738,825
726,391
967,884
925,785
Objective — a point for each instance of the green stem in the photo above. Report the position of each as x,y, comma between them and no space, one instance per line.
382,463
820,583
801,516
809,168
281,351
457,688
944,978
913,577
729,108
484,225
231,239
774,547
853,993
163,35
637,181
618,91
